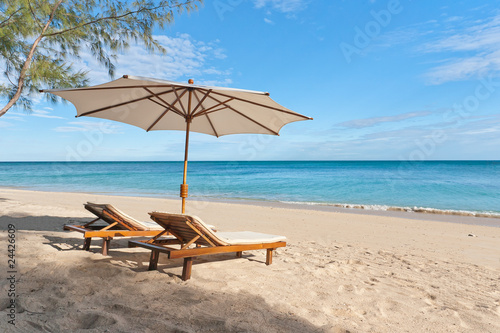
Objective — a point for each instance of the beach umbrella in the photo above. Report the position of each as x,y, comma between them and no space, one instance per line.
154,104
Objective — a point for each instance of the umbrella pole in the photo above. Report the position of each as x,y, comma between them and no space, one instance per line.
189,118
184,186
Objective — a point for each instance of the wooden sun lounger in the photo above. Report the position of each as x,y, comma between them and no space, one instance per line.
118,224
191,231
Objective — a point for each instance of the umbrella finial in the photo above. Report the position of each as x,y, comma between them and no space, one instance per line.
191,81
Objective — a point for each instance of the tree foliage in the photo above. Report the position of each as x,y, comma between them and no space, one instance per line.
39,39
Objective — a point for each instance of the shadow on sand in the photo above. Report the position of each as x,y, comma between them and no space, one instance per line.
104,294
40,223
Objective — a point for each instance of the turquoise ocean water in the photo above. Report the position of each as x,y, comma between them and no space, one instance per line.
444,185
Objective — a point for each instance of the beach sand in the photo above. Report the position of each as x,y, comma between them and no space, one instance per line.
340,272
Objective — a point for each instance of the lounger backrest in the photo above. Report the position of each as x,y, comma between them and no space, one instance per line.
111,214
186,227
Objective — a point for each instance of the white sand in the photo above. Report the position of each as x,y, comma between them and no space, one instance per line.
339,273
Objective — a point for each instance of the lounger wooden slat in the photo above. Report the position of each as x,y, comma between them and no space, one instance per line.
190,230
174,253
118,224
89,233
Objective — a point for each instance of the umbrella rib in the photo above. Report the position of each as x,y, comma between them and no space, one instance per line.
212,125
152,100
168,108
119,104
180,102
212,111
157,120
262,105
247,117
209,110
255,121
168,105
199,103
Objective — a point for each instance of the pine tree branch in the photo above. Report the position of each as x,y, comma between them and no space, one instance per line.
117,17
8,78
63,29
27,63
34,16
6,21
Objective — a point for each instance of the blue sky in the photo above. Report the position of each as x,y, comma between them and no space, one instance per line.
383,80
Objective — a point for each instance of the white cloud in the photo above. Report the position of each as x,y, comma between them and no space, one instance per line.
35,113
4,124
44,114
185,57
465,68
454,18
475,37
226,82
404,35
483,131
14,113
474,51
268,21
219,53
284,6
9,116
369,122
466,139
215,71
467,48
105,127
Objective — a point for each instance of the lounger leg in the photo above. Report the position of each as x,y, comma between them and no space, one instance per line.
105,245
269,257
186,269
86,244
153,261
239,254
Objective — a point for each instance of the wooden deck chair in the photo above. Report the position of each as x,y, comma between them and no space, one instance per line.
117,224
191,231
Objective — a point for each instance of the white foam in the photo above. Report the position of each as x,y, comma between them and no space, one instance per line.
415,209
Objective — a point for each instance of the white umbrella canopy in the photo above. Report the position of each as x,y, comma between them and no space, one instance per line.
154,104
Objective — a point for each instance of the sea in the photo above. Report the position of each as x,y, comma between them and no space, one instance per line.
454,187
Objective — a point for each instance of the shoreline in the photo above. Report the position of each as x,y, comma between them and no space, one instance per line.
429,214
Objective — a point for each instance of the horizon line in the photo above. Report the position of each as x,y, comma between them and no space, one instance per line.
180,161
